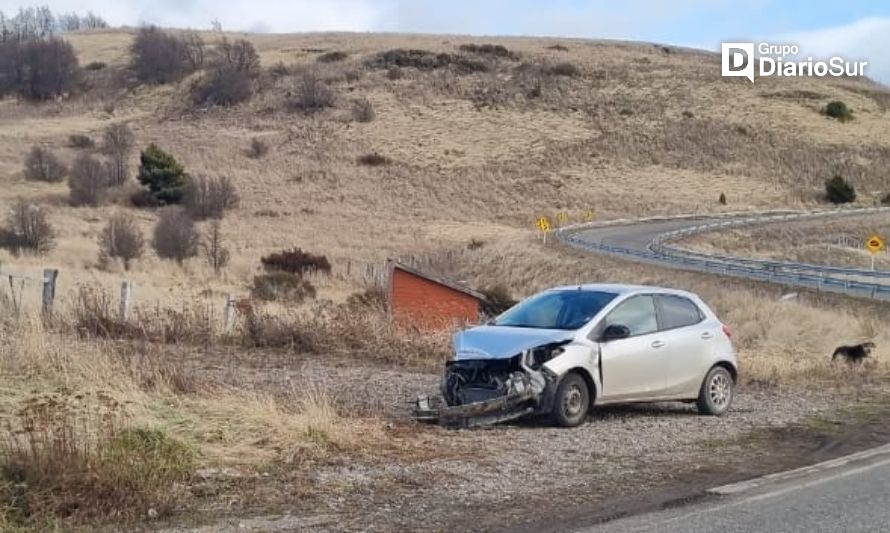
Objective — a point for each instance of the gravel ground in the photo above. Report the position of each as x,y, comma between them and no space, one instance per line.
616,449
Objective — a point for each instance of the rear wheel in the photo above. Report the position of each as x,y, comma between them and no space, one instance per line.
571,402
716,392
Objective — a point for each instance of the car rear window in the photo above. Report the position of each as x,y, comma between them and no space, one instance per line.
678,312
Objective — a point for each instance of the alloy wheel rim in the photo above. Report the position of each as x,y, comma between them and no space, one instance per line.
720,390
573,400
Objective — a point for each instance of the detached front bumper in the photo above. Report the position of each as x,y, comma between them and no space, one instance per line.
476,414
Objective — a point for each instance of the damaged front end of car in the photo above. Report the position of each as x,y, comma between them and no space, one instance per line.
486,386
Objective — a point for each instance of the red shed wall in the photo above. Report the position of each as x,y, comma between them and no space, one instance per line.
419,302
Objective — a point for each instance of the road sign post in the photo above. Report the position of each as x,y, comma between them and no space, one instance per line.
543,224
875,244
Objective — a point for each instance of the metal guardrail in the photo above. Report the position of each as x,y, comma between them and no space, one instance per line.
817,277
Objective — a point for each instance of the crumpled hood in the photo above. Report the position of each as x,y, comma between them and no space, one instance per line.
503,342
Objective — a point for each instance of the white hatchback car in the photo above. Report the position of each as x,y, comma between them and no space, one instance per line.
567,349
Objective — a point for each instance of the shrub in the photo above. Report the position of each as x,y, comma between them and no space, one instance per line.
722,199
497,300
117,142
557,48
374,160
27,228
296,261
282,286
38,68
225,86
215,252
279,70
839,191
563,69
475,244
209,197
95,65
311,94
494,50
162,175
84,142
886,199
363,111
332,57
394,73
143,198
121,239
257,149
175,236
426,60
239,55
838,110
74,462
43,165
159,57
88,181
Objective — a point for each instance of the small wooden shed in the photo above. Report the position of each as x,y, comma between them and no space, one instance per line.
429,302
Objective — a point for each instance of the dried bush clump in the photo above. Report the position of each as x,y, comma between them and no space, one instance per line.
175,236
43,165
207,197
296,261
121,239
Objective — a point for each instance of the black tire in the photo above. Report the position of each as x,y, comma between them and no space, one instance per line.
716,393
571,402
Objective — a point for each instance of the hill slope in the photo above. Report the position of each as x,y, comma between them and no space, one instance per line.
620,128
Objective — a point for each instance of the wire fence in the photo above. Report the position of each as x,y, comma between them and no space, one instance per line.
818,277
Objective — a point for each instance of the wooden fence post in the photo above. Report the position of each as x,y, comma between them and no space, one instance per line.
124,314
230,313
49,288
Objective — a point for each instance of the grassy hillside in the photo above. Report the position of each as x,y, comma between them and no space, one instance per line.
631,129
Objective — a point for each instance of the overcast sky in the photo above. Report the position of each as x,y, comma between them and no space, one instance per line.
854,29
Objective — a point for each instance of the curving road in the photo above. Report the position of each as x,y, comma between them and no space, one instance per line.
650,241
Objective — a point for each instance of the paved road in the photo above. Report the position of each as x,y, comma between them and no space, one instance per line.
633,240
851,499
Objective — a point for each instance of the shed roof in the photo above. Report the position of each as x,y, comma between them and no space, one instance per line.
393,264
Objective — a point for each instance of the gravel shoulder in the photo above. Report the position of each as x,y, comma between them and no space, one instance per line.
517,473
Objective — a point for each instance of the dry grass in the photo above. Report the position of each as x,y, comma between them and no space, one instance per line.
108,430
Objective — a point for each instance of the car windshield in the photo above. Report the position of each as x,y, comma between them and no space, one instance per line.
562,309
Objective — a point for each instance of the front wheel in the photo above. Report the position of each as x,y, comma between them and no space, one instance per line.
716,392
571,402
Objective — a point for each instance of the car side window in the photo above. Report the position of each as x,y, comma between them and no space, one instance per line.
637,314
678,312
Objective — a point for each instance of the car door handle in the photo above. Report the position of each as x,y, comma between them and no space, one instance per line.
657,344
707,335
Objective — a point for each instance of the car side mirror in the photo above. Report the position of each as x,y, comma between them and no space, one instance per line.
615,332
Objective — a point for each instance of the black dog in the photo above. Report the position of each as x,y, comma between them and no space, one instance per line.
855,353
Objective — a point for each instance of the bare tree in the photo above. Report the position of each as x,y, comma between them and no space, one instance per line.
175,236
239,55
194,50
158,57
121,239
118,144
216,253
88,181
42,165
210,197
28,228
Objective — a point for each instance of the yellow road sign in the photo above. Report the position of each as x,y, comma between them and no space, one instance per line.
562,217
875,244
543,224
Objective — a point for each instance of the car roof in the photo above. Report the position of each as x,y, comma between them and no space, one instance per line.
622,289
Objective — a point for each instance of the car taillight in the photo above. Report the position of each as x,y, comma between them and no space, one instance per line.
726,331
